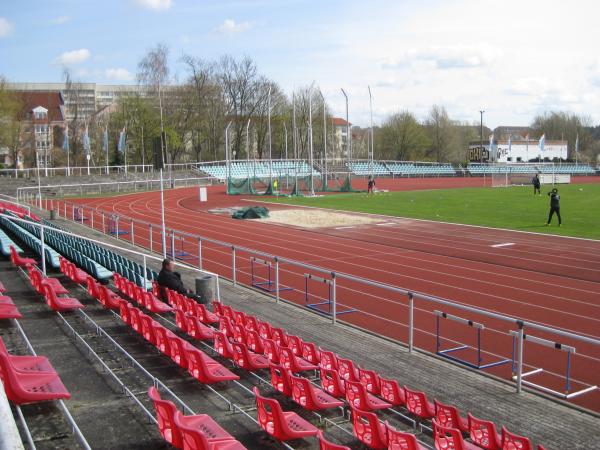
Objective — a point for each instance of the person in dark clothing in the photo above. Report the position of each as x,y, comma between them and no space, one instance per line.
370,185
536,184
554,206
168,278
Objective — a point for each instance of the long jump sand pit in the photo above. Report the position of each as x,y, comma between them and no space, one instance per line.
317,218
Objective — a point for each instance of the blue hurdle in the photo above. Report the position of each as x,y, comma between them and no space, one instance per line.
570,350
447,353
268,284
113,226
324,306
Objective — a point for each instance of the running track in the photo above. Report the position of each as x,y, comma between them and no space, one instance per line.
546,279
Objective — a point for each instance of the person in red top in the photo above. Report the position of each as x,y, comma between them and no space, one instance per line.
370,185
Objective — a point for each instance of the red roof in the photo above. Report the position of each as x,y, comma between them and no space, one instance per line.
52,101
338,122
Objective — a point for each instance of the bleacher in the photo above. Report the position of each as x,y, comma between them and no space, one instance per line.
490,169
297,385
367,168
420,170
259,169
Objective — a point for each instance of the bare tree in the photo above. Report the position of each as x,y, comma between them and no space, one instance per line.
441,131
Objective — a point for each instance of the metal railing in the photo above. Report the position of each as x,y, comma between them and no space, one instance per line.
368,304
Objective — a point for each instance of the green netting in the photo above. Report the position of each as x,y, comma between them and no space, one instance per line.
289,185
240,186
251,212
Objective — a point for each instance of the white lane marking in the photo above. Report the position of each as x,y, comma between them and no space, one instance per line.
386,224
344,228
506,244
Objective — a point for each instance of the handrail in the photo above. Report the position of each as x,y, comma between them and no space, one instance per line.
9,433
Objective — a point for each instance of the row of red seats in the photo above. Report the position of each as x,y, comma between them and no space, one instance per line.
8,310
51,289
186,432
140,295
74,273
340,378
17,210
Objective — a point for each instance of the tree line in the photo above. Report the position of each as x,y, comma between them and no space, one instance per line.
194,112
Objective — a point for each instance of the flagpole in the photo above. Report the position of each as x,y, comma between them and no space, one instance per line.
68,153
105,140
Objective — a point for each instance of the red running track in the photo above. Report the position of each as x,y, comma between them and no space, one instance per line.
546,279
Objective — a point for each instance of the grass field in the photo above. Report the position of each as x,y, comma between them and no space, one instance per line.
513,208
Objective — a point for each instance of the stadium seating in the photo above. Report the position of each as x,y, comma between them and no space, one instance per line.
450,439
18,260
259,169
449,417
324,444
367,168
201,432
28,363
6,243
359,398
391,392
60,304
368,429
411,169
283,426
484,434
417,404
23,387
400,440
311,397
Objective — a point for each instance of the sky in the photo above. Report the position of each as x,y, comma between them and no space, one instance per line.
512,59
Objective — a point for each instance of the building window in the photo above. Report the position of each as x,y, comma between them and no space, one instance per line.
40,115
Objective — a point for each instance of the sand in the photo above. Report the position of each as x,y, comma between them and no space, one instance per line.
317,218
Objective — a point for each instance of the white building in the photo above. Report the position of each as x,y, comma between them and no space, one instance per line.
518,151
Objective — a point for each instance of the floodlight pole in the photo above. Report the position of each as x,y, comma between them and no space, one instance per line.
248,149
227,156
348,156
162,216
286,140
481,136
310,140
324,136
294,138
372,146
269,132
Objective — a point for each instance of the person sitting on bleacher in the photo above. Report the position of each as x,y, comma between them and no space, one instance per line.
167,278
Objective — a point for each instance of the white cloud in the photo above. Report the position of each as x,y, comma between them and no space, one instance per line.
445,57
230,27
156,5
118,74
5,27
73,57
60,20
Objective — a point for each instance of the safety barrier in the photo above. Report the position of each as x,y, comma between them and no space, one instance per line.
9,434
389,310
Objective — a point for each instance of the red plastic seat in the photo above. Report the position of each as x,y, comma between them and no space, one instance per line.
222,345
331,383
271,350
27,363
180,320
449,417
124,311
248,360
93,287
283,426
201,432
227,311
2,288
165,415
483,433
20,261
417,403
346,369
511,441
239,333
311,397
148,325
295,344
108,298
76,274
391,391
30,387
163,339
398,440
294,363
251,323
154,305
370,380
359,398
226,327
57,303
324,444
310,352
178,351
197,330
135,323
9,312
239,317
205,369
280,379
6,300
218,308
156,289
254,341
327,359
279,336
264,330
205,315
450,439
368,429
40,279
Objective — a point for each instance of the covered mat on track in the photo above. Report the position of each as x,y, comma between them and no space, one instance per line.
251,212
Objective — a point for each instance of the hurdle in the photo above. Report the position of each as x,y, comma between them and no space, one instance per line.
78,214
570,350
329,302
181,253
447,353
113,226
269,284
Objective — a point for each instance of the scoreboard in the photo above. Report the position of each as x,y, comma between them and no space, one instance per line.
477,154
